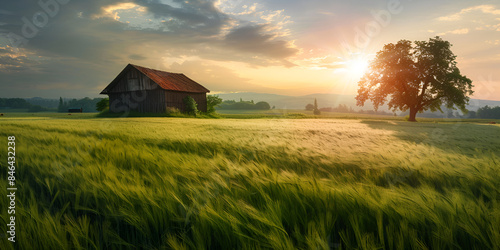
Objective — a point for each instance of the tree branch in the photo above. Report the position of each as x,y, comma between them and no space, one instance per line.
429,101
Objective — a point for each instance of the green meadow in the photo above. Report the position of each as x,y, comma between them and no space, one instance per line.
328,182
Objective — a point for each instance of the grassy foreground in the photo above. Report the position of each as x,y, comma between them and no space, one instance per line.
127,183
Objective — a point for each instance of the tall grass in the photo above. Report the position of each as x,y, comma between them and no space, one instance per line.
128,183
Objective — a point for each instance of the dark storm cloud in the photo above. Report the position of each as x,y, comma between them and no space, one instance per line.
64,34
14,64
253,39
72,32
4,51
199,16
54,78
79,47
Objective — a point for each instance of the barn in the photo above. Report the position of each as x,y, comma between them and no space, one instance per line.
148,90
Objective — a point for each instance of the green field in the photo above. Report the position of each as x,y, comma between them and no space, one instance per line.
357,182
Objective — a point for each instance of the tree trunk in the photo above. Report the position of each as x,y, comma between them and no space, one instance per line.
413,114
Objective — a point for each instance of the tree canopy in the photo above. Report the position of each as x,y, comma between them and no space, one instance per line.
488,112
415,76
102,105
212,102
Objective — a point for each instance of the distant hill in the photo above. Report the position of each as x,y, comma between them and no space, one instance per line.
324,100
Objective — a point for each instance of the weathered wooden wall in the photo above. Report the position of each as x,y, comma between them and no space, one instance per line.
146,101
176,99
134,80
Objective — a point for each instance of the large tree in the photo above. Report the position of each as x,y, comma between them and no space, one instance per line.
415,76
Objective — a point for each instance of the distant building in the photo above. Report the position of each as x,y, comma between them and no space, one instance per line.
75,110
147,90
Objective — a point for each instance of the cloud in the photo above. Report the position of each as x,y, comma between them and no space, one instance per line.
254,40
322,62
96,29
327,13
14,64
455,32
12,61
137,57
493,42
87,42
198,17
54,78
251,13
486,9
248,9
475,18
112,11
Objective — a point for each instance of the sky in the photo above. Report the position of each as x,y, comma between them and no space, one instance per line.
74,48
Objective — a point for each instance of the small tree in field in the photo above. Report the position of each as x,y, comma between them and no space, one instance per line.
316,111
212,102
415,77
309,107
190,105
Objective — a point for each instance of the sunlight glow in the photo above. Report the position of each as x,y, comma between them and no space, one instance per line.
357,67
351,69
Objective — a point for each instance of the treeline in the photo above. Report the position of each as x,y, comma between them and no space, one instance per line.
342,108
46,103
244,105
486,112
86,104
19,103
14,103
39,104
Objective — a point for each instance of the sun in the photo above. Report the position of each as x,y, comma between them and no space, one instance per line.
357,67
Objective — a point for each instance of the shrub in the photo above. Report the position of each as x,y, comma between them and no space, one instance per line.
263,106
191,106
172,110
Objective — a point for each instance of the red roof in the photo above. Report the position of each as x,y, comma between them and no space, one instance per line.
166,80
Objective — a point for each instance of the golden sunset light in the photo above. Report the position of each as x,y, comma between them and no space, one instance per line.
357,67
238,124
224,43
